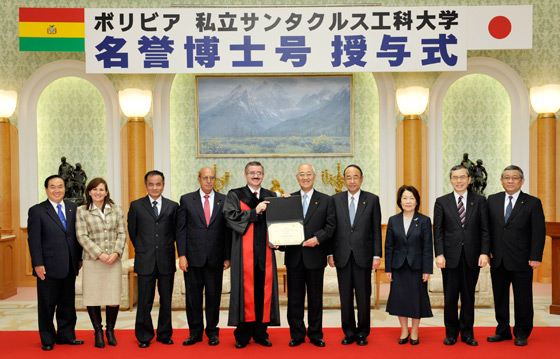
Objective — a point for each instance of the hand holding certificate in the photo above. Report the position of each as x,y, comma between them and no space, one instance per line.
284,217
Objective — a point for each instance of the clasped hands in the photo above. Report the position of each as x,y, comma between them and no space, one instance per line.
108,258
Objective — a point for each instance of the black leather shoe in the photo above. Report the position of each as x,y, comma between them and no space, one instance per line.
470,341
347,340
449,341
296,342
497,338
404,340
415,341
240,345
361,341
70,342
213,340
144,345
318,342
264,342
192,340
47,347
166,341
520,341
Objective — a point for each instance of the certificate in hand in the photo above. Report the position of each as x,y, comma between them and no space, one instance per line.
284,218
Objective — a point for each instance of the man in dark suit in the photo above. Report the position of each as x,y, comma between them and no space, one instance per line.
462,246
517,235
356,248
253,263
204,248
151,226
306,263
56,257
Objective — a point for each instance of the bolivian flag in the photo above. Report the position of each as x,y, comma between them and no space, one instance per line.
51,29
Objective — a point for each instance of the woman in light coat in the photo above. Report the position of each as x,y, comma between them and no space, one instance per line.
101,231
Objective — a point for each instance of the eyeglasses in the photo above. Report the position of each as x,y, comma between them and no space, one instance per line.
305,174
206,178
457,178
252,173
511,178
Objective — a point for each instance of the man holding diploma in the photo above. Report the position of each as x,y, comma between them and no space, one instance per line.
306,263
254,282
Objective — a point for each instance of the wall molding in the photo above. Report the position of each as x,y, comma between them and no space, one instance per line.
520,118
27,126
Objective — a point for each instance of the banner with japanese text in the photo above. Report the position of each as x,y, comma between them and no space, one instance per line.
276,39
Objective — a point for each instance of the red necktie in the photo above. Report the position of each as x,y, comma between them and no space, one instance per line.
257,194
207,210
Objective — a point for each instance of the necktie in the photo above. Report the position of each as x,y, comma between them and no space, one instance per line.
154,203
61,215
508,209
352,210
461,209
305,205
207,210
257,194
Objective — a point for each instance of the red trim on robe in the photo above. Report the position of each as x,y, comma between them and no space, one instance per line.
249,277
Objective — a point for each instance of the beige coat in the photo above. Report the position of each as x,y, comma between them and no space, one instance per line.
101,236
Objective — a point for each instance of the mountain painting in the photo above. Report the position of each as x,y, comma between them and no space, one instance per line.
274,116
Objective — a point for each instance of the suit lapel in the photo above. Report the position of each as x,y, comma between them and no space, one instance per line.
313,204
70,213
52,213
469,207
198,206
346,211
148,206
499,203
521,201
217,208
413,224
452,206
360,207
399,226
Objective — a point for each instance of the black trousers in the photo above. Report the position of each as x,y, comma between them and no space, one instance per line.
144,328
354,279
57,296
459,282
522,282
300,281
257,329
205,279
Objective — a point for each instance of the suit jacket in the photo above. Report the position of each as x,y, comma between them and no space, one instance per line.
415,246
196,240
319,221
50,245
522,238
450,237
98,235
363,238
153,237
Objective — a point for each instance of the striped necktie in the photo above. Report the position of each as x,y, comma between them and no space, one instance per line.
462,212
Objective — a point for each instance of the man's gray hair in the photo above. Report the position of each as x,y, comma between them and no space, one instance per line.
513,168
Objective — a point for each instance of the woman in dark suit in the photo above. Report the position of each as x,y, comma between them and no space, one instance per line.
408,263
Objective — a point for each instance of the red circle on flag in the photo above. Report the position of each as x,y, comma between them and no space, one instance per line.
499,27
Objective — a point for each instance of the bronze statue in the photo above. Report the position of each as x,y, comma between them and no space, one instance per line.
468,163
74,180
479,178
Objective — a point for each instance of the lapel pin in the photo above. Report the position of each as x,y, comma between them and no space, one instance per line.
364,202
218,203
316,203
416,218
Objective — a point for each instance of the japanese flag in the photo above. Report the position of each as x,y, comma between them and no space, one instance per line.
500,27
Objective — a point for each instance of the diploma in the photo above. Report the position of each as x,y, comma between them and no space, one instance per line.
284,219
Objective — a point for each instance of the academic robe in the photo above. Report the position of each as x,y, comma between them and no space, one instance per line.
250,244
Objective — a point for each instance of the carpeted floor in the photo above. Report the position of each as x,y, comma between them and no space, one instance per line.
382,344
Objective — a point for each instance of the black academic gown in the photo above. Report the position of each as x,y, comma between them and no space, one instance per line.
241,217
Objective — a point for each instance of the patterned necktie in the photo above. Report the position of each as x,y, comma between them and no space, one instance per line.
155,208
207,209
61,215
508,209
257,194
461,209
352,210
305,205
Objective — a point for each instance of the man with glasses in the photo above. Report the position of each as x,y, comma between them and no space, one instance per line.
254,282
306,263
204,249
356,248
462,246
517,234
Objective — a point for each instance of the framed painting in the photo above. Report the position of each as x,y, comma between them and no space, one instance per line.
274,116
